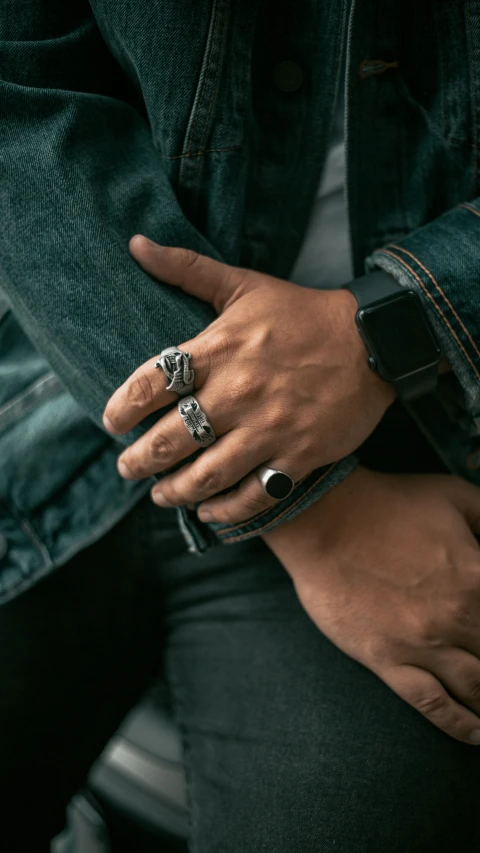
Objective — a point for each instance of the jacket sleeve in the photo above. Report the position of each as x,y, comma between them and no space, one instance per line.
441,262
79,175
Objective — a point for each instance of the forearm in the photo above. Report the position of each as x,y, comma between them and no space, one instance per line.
79,176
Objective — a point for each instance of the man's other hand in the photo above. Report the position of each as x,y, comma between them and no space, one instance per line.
388,567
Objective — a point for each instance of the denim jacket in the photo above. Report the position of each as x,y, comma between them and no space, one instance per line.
205,124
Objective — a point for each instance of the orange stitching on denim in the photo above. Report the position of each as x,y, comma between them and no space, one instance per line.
435,282
200,153
288,508
259,514
470,208
370,67
417,277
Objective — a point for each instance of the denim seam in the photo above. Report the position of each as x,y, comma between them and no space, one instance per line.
178,706
31,533
441,50
474,94
470,208
442,293
285,511
38,392
196,174
377,66
200,153
438,308
204,83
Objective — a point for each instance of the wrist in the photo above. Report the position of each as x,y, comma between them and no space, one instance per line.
305,537
394,326
375,387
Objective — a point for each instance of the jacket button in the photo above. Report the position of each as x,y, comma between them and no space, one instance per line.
288,76
3,545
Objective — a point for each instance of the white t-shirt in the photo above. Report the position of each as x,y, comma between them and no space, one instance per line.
324,260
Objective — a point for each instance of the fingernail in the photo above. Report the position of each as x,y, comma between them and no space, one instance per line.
124,470
160,500
108,424
475,737
205,515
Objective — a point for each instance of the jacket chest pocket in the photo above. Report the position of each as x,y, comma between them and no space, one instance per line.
217,120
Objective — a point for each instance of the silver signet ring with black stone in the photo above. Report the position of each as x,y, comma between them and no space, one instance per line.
176,367
276,484
196,421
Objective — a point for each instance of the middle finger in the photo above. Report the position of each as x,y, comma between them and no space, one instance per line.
168,442
145,391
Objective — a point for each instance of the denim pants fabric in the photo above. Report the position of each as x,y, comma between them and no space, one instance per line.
291,746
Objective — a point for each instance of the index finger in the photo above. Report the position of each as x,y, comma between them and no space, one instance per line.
201,276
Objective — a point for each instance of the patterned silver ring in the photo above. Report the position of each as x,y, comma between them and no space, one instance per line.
176,367
276,484
196,421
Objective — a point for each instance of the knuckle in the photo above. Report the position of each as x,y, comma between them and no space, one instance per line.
279,416
207,481
236,280
253,504
161,448
241,386
430,703
218,342
431,632
473,690
188,257
140,391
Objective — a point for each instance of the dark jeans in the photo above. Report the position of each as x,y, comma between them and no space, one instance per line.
291,746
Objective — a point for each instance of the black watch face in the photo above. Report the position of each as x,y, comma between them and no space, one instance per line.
399,336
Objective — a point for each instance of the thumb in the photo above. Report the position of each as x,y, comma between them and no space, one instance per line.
209,280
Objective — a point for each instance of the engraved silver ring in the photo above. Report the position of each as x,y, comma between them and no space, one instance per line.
176,366
196,421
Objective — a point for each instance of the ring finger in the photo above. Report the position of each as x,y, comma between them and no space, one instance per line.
221,466
249,498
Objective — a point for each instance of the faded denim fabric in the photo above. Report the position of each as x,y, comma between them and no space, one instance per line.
164,118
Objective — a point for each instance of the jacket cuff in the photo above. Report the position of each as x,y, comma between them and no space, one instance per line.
200,537
440,263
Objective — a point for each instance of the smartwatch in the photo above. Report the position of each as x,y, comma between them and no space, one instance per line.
394,327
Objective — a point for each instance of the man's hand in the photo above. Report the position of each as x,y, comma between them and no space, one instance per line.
388,568
282,375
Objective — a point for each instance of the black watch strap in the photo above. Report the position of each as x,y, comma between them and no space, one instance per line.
373,288
426,381
376,287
